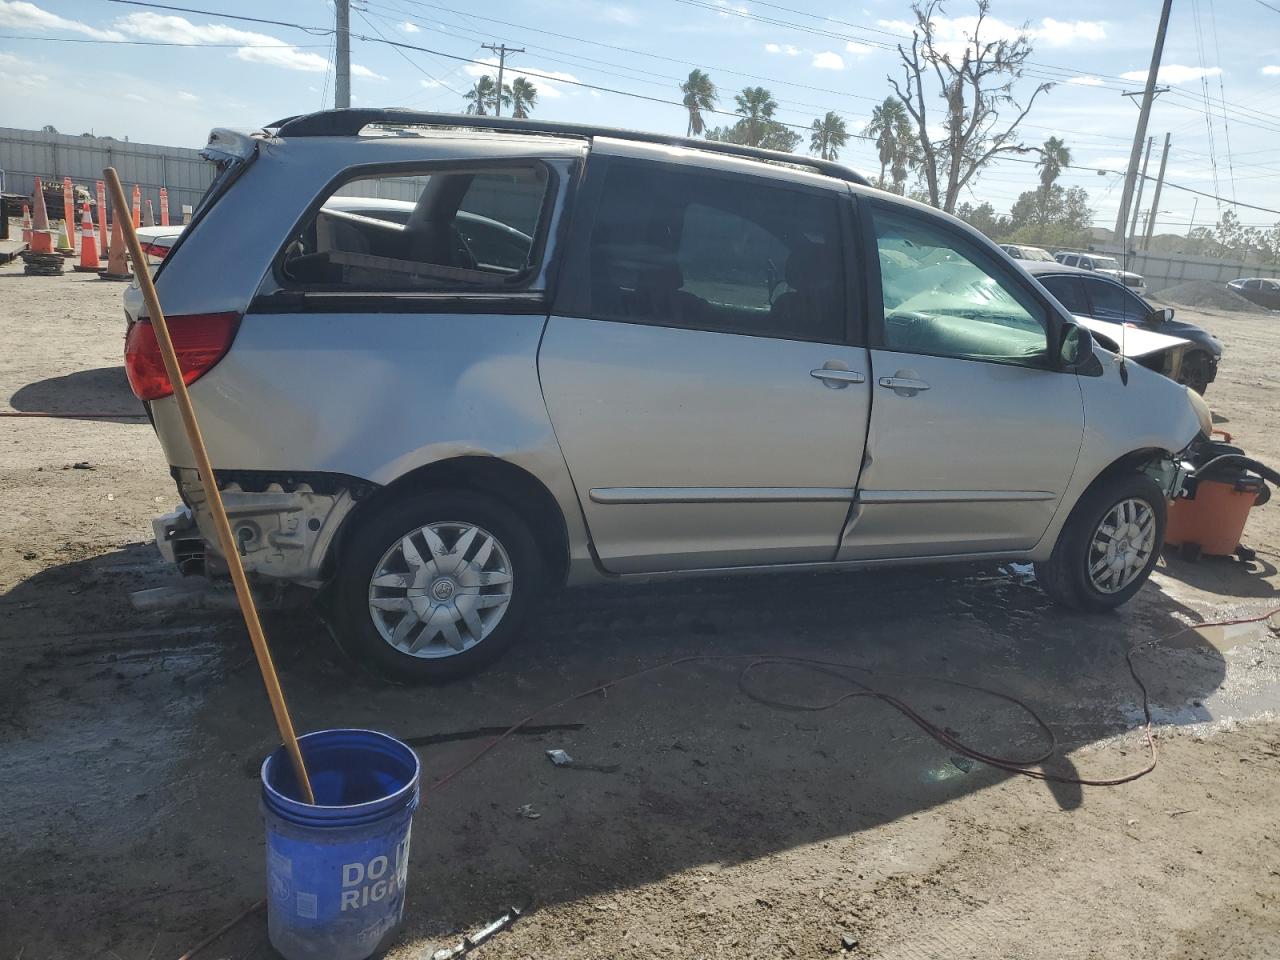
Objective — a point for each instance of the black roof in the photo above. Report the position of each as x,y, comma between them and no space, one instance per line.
348,123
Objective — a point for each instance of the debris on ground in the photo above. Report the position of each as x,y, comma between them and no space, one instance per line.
561,759
1207,293
848,941
526,810
470,941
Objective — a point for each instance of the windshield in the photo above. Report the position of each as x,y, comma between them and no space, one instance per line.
1106,263
1035,253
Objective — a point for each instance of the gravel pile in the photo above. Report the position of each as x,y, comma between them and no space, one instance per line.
1206,293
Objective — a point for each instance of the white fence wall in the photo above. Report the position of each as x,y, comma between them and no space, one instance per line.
1162,270
27,154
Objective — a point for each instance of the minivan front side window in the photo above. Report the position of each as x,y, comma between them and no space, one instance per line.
944,296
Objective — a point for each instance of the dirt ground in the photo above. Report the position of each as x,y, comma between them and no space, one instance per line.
130,741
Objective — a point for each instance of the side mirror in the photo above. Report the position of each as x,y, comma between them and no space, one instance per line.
1075,349
1162,315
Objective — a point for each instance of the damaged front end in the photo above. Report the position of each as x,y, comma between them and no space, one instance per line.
283,523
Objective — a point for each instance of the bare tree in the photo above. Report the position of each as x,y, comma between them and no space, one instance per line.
975,79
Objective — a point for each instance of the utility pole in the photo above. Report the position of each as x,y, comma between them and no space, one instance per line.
501,50
1140,133
1155,200
1137,203
1192,225
342,55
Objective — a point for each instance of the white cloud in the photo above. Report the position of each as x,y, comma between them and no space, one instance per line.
857,49
188,97
1271,70
27,16
1063,33
736,8
1175,73
290,58
17,72
953,33
827,60
547,87
408,27
430,84
623,15
1086,81
136,98
254,47
786,48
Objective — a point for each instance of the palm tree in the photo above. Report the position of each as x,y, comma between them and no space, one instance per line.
828,136
1055,156
888,122
699,94
480,96
523,98
757,106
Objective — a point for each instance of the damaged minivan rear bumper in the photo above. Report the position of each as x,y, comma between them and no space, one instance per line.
283,523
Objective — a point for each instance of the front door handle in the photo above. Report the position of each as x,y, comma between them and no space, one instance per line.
903,386
837,378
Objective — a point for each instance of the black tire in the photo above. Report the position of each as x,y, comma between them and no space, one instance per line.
1197,371
1065,575
357,633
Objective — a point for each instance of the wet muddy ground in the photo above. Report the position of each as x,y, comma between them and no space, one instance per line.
130,742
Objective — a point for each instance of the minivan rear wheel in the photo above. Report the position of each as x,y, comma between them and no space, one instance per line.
437,586
1109,545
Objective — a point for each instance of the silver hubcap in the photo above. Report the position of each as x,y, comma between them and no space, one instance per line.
1122,545
440,589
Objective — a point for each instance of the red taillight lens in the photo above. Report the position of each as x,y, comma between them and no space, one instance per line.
200,340
156,250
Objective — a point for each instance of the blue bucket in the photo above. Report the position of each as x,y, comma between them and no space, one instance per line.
336,870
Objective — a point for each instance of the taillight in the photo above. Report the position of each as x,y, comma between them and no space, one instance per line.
156,250
200,340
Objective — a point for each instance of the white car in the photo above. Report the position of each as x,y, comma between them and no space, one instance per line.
1022,251
1103,264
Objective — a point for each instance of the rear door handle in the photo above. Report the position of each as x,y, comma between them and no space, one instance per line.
837,378
903,386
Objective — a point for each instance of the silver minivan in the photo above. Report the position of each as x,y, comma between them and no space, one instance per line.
548,354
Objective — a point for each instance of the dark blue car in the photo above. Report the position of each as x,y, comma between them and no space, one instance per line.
1091,294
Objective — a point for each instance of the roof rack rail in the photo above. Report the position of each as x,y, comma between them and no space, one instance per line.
348,123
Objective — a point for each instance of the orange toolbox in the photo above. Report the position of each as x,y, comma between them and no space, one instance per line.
1209,516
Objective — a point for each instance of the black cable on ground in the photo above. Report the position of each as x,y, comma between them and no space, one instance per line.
1025,767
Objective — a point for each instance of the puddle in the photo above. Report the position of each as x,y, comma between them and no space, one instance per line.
1221,638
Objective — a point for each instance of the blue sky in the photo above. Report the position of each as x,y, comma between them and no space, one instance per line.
814,57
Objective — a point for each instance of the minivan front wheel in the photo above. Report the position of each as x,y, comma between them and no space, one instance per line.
1109,546
435,587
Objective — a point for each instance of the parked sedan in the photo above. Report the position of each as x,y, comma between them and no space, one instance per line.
1260,290
1091,294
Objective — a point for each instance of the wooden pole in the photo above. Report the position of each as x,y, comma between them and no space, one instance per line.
219,513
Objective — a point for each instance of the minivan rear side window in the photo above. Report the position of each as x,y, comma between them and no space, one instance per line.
450,229
677,247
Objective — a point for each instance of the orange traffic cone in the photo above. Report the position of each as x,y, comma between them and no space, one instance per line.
137,208
164,207
67,242
26,224
88,245
117,263
102,219
148,216
41,238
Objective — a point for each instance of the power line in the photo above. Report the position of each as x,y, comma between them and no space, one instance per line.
407,59
168,43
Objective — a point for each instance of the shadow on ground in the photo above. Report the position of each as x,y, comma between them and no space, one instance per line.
81,395
151,741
